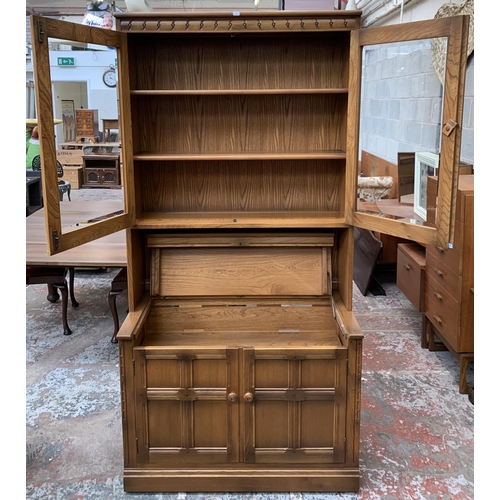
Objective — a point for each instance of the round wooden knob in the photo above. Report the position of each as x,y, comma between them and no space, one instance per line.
232,397
249,397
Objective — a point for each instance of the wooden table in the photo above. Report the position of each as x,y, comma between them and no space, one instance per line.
109,251
108,125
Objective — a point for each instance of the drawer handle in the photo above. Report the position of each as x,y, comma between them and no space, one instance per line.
440,249
438,320
438,296
248,397
439,273
407,267
232,397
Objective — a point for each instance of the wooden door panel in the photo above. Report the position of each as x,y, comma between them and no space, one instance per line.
188,405
294,405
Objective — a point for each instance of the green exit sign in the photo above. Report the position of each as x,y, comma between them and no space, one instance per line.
65,61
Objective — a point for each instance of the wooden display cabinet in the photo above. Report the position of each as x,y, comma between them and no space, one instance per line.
240,358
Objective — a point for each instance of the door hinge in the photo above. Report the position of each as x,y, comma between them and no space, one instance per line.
133,367
55,239
41,33
137,445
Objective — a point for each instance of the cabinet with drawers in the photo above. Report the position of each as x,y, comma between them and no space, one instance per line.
449,286
410,273
87,124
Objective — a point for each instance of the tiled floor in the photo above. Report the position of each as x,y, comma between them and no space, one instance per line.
417,431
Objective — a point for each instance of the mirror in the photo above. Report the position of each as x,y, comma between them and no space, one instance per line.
400,129
85,105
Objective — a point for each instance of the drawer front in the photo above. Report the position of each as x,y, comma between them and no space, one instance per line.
451,257
443,275
443,312
410,279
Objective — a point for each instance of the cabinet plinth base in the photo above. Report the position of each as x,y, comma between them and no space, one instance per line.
249,480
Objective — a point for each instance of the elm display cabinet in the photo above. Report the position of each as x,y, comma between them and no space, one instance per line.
250,380
240,357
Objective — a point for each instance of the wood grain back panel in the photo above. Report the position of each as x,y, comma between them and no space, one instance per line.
242,186
241,123
241,271
240,63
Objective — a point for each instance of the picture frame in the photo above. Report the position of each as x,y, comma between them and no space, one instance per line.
69,120
426,165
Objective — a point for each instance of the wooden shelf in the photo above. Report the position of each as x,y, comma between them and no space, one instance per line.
309,155
234,220
223,92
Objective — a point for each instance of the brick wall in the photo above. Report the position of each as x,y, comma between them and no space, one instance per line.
402,102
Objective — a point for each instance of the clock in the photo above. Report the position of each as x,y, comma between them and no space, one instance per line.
109,78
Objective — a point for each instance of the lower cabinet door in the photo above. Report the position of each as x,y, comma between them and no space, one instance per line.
294,406
187,406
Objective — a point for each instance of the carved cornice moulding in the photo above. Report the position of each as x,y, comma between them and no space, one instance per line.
242,23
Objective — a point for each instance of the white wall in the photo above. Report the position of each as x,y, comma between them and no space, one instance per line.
83,83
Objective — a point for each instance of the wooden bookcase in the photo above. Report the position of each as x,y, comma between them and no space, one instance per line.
240,358
247,357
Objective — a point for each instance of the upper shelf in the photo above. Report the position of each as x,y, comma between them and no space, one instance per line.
223,92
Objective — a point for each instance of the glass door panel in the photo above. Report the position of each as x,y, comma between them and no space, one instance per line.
80,157
401,112
405,114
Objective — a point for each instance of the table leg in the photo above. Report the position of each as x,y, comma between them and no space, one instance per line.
112,305
52,294
63,287
71,270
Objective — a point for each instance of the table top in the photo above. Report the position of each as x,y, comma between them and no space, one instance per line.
109,251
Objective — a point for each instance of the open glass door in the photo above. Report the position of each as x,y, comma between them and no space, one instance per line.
79,122
405,113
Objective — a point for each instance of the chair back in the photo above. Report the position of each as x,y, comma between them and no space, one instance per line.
36,166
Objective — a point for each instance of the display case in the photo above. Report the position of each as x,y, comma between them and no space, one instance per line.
240,357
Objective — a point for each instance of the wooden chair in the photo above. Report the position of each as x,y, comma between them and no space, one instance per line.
55,278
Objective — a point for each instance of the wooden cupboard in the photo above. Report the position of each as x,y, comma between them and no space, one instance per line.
101,170
240,358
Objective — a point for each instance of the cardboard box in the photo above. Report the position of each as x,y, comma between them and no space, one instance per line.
74,175
70,156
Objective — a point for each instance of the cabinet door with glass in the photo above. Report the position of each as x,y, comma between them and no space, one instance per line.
90,53
405,115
